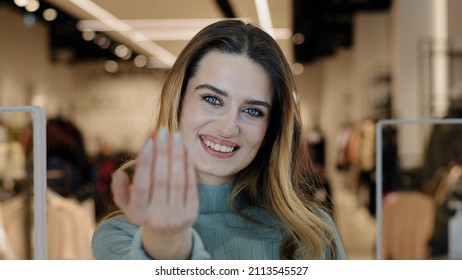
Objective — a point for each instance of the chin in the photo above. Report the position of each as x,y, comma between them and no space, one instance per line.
219,173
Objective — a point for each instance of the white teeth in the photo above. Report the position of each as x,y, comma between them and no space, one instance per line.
218,147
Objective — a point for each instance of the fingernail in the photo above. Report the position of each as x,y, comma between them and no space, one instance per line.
147,150
177,139
163,134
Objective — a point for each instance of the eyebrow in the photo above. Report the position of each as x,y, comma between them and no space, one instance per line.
225,94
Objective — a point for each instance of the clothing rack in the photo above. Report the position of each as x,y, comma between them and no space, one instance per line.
40,183
379,168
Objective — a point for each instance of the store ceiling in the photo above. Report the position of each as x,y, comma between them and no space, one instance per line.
158,28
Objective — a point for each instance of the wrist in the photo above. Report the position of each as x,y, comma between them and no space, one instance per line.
167,246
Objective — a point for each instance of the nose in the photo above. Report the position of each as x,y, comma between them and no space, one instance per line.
228,124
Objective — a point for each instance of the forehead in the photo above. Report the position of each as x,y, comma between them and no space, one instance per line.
233,73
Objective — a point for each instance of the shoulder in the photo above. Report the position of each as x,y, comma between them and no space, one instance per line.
328,219
337,240
325,216
117,223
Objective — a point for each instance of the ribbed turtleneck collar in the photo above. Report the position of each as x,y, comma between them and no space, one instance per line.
214,199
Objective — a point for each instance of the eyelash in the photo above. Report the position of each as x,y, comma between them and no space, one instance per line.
214,101
254,112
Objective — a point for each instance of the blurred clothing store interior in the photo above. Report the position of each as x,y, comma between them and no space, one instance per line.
96,67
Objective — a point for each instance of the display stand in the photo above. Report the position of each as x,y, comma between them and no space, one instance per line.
40,185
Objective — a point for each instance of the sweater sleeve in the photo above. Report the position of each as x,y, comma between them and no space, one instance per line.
118,239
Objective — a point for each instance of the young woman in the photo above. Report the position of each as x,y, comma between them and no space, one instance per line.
220,179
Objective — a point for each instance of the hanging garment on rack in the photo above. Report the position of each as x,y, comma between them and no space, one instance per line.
341,144
70,227
407,225
366,151
6,252
13,212
12,164
3,157
450,188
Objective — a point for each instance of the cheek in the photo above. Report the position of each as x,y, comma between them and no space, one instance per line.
190,119
262,136
186,112
257,135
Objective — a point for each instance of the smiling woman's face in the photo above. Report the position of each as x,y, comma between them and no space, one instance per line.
225,115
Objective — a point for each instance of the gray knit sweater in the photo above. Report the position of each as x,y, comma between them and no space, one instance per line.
217,234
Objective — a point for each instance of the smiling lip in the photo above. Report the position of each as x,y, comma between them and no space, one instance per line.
217,147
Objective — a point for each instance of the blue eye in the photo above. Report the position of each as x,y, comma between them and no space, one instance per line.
253,112
212,100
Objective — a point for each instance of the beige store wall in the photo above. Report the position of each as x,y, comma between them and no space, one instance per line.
371,59
454,23
114,111
26,74
23,66
455,35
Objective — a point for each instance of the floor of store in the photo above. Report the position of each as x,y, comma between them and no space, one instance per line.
356,225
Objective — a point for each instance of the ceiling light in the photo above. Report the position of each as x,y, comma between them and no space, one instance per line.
123,52
50,14
126,31
21,3
166,29
111,66
167,35
102,41
32,6
148,24
297,68
88,35
140,61
298,38
264,16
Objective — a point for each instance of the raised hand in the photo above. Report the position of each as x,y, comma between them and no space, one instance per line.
162,198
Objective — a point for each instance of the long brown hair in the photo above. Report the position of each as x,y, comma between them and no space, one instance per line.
273,180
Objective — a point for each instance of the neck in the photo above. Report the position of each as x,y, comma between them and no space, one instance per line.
211,180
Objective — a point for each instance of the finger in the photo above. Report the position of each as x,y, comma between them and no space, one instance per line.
191,196
160,171
177,174
141,187
120,189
